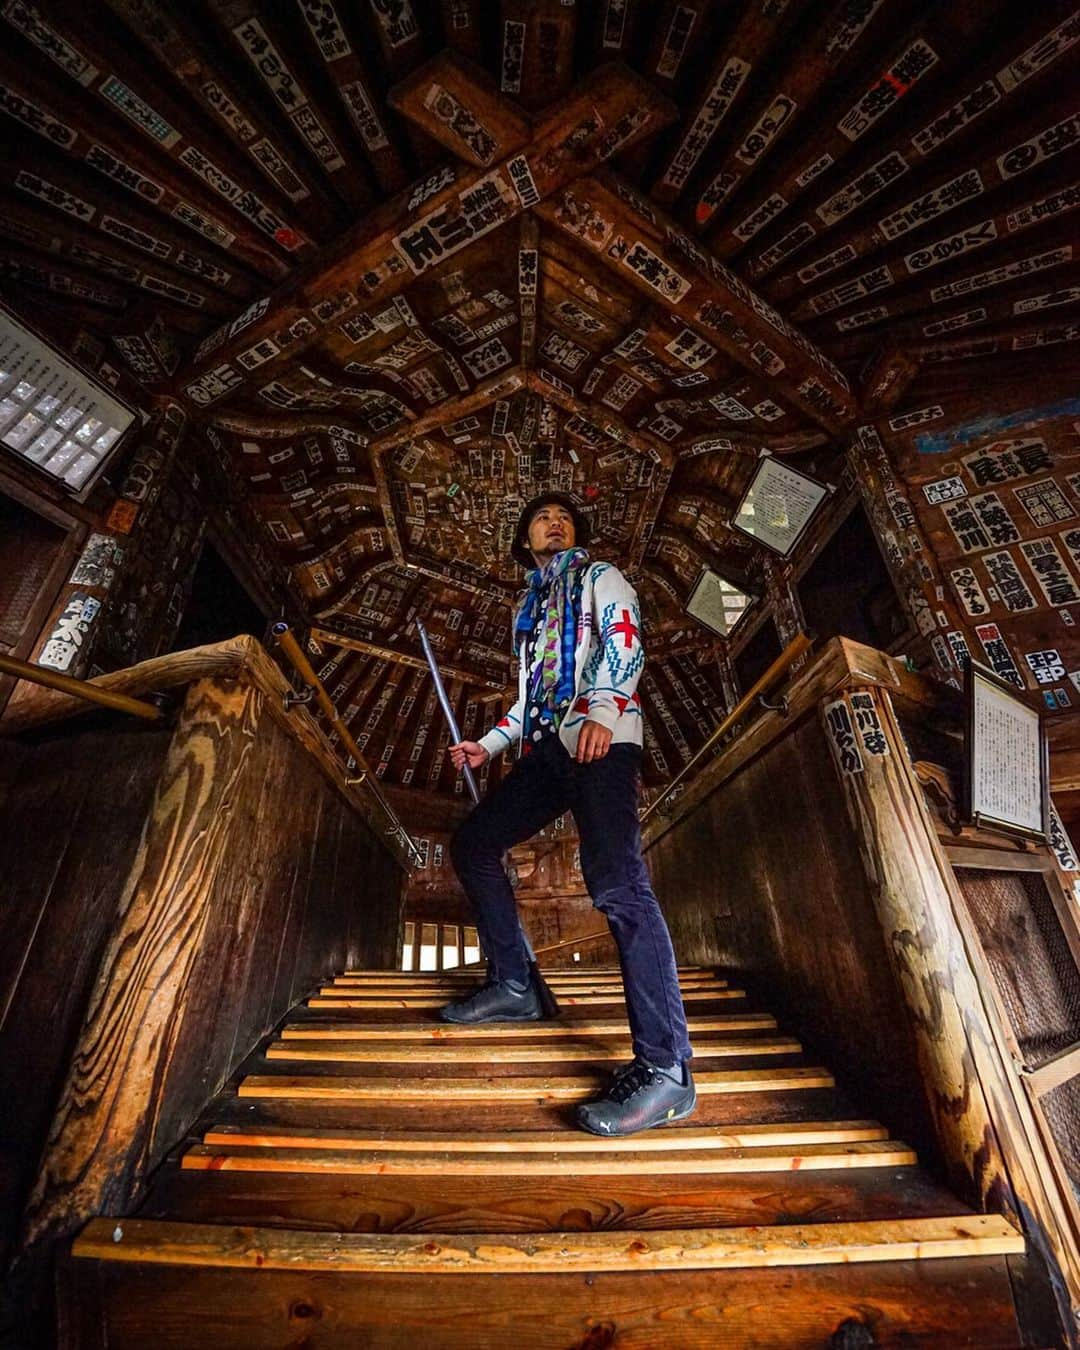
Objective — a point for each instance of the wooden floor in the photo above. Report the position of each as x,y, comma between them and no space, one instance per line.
377,1178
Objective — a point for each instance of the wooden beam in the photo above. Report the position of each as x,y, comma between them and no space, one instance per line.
150,1241
55,183
1054,1072
181,46
260,42
471,677
397,242
661,260
197,195
458,104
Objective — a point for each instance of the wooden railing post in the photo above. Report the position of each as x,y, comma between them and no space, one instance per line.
104,1125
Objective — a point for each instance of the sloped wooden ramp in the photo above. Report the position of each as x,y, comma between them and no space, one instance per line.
381,1179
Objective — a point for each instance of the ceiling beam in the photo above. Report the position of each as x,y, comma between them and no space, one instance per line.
661,260
396,242
464,673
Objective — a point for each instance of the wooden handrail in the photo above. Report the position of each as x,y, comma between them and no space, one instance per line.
574,941
89,693
292,649
551,947
779,668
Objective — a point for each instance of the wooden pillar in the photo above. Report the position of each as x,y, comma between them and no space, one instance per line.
102,1130
903,865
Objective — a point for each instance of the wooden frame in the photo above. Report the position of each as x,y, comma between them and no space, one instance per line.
109,456
973,676
1037,1082
765,461
76,531
752,601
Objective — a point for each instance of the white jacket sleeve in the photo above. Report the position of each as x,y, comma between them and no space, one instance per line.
617,620
505,732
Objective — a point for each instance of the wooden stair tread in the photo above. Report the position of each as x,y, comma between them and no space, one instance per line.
548,1088
720,1110
582,972
331,998
318,1029
153,1241
678,1136
950,1304
419,1202
550,1051
555,982
762,1159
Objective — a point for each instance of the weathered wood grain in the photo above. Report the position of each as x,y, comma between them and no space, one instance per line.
103,1126
149,1241
961,1304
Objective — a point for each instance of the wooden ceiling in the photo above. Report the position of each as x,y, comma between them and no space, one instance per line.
411,263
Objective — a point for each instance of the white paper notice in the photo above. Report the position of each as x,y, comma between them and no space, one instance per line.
777,505
1005,758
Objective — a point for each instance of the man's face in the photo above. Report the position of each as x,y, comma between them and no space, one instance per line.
551,530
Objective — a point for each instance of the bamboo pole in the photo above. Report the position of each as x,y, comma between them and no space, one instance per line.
779,667
89,693
304,669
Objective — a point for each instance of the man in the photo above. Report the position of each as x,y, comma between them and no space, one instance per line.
578,722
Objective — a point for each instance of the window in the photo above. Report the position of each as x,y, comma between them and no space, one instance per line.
52,414
716,602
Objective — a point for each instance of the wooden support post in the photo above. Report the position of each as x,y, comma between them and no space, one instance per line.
102,1135
899,854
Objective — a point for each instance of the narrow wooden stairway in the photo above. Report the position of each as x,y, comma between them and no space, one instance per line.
378,1178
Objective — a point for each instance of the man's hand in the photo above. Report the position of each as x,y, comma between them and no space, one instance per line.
593,742
468,752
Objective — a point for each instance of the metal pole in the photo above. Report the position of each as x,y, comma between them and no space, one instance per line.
447,710
470,781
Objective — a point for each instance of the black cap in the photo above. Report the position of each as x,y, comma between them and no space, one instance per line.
519,549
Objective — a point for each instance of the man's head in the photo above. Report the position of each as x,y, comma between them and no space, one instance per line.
549,524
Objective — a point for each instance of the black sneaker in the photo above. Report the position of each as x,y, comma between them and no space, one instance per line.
640,1096
499,1001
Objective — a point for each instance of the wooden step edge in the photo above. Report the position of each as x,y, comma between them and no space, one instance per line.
553,1052
150,1241
540,1090
572,1001
582,972
435,981
644,1162
796,1133
612,993
447,1031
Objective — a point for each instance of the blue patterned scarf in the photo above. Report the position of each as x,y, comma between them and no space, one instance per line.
552,609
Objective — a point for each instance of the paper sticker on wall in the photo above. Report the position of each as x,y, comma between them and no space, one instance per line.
944,490
998,654
966,585
1047,666
868,724
1061,843
71,629
97,563
845,744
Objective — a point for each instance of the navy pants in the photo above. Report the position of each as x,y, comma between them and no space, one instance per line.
603,797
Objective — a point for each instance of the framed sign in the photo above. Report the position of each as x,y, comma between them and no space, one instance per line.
716,602
778,505
1006,778
53,415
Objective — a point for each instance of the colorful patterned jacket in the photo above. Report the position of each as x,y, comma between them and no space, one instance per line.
609,657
